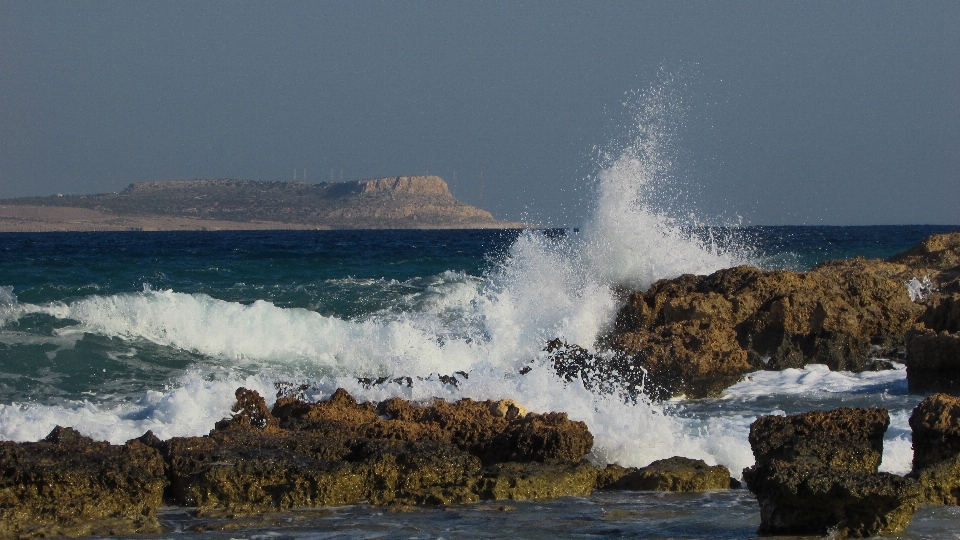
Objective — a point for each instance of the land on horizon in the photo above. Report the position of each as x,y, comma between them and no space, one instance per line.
401,202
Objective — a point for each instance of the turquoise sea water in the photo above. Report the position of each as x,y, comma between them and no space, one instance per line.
117,333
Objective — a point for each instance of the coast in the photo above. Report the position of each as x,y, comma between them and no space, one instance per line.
694,336
402,202
272,434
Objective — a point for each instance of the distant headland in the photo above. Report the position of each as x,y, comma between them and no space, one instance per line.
400,202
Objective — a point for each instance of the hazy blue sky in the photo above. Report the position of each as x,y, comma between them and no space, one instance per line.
795,112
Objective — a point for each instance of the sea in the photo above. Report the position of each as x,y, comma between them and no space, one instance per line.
117,333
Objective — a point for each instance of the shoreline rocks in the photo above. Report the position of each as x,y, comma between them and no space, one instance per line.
936,449
671,474
933,360
300,454
694,336
71,485
816,472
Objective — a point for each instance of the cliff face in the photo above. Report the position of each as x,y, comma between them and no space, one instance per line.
407,185
395,202
415,185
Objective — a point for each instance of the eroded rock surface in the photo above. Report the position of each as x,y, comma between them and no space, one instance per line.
936,448
850,439
478,427
933,360
936,430
671,474
339,451
802,498
69,485
817,472
938,252
299,454
697,335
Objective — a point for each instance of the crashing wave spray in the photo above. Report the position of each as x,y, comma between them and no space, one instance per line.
490,327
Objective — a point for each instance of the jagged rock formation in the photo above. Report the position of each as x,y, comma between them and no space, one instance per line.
300,454
69,485
696,335
817,472
672,474
933,345
843,438
396,202
936,449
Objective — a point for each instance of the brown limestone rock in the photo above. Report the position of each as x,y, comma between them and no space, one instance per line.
943,312
608,476
933,361
696,335
539,437
251,473
251,480
339,416
70,485
546,480
844,438
676,474
339,451
940,251
817,472
805,498
425,472
335,452
249,411
477,427
936,430
940,482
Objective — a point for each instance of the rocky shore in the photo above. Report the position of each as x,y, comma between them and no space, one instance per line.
814,473
330,453
694,336
817,472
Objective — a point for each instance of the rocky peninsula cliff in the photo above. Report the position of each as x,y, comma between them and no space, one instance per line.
401,202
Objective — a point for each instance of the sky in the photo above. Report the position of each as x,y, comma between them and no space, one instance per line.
818,113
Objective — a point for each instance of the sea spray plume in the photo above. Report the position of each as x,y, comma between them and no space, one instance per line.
545,288
635,235
565,287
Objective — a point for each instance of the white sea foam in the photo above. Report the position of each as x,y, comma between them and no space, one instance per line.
189,409
816,378
490,327
898,445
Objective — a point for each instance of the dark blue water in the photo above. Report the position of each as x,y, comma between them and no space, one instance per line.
291,268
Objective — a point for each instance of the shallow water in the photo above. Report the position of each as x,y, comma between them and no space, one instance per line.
730,514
